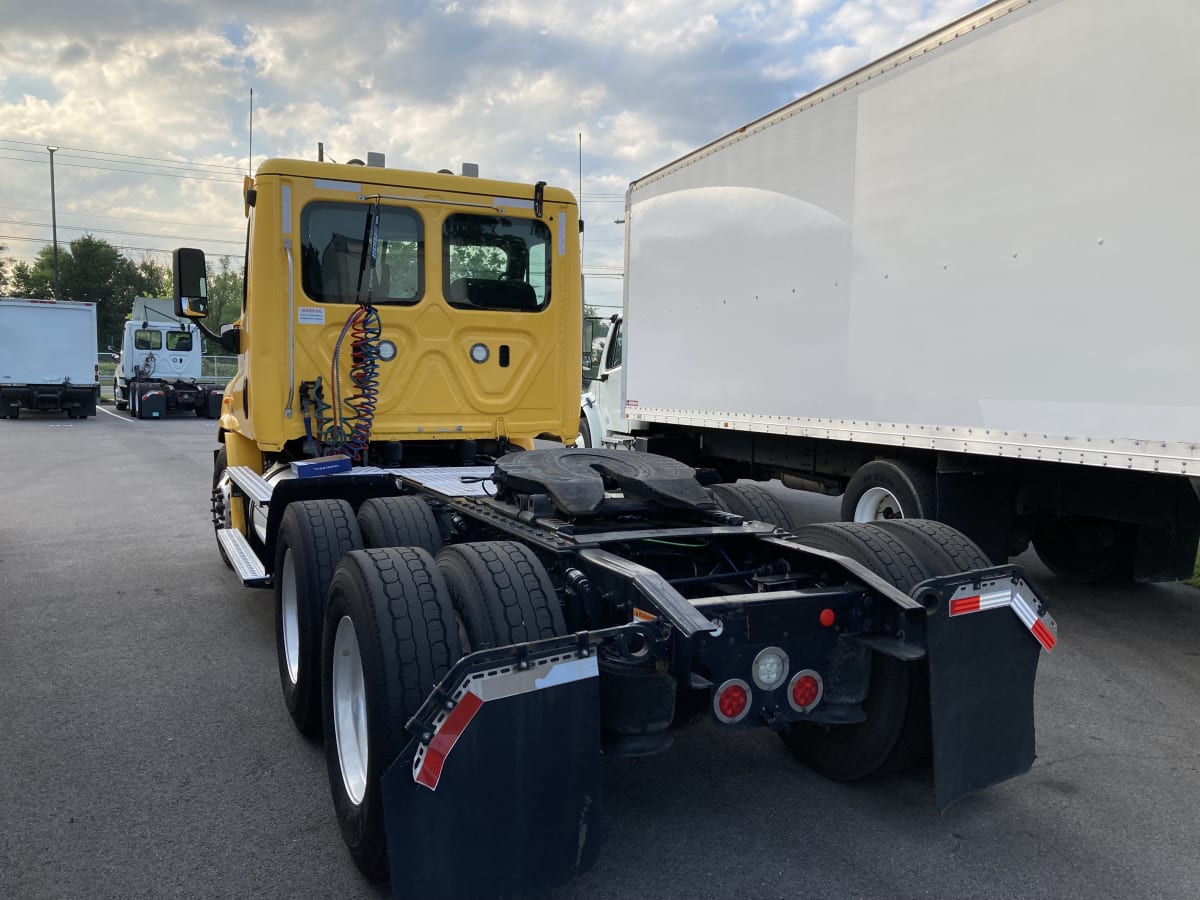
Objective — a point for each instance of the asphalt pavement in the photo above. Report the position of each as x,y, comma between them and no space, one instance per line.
145,749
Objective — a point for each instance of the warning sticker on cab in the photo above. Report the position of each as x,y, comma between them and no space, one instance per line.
310,315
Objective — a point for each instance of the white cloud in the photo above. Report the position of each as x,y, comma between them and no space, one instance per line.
509,84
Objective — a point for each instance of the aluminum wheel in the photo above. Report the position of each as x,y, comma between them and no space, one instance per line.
877,503
290,607
350,711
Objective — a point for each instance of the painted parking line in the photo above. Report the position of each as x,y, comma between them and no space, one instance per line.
109,412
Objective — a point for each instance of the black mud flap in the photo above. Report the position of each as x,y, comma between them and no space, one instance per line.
500,796
985,636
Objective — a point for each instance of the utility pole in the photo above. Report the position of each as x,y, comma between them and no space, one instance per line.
54,220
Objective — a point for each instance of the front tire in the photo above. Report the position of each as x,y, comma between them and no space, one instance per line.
389,637
313,536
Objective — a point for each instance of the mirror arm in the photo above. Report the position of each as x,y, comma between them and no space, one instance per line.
229,341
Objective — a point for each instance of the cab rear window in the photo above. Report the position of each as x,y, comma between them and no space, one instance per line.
495,262
332,257
179,340
147,339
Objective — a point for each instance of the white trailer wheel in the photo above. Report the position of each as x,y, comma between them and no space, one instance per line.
290,609
350,711
878,504
885,489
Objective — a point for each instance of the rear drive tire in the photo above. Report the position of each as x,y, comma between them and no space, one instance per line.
941,549
399,522
389,637
752,501
895,734
890,489
313,536
502,593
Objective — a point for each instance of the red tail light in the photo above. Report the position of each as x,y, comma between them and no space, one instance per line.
732,700
805,690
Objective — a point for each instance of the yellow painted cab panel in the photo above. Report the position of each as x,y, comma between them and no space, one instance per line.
478,300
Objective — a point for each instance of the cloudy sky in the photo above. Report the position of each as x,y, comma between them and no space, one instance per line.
148,100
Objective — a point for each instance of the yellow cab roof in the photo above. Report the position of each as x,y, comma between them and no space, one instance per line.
401,178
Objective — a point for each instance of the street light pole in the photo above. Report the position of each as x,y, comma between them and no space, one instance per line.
53,220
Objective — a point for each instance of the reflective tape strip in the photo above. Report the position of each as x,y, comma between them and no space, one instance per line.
1043,627
506,681
980,602
447,736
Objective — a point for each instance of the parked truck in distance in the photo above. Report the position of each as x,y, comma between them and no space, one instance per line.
48,357
469,622
953,285
160,365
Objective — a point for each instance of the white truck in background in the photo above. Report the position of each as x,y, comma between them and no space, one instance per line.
48,357
956,285
160,366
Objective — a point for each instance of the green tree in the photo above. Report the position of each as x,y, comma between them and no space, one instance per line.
224,295
92,269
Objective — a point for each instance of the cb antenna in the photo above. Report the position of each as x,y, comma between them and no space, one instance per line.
250,152
584,238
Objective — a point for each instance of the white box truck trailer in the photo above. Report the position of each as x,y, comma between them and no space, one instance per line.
48,357
956,284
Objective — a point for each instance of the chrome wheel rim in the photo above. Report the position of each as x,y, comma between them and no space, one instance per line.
878,504
350,711
289,608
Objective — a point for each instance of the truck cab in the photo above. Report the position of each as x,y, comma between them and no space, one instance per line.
161,360
602,407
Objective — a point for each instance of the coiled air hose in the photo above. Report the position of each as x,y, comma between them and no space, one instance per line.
344,426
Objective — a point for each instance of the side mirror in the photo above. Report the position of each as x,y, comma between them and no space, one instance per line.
191,283
593,337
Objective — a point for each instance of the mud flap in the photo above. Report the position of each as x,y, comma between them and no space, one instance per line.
985,637
501,795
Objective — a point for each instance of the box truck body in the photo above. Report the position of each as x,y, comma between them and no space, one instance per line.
48,357
968,258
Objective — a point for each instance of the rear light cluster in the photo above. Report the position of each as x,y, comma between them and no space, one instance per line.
733,699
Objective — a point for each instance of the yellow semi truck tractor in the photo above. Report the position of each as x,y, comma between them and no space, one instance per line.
470,623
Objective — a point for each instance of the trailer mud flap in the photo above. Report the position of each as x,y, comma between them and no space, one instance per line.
984,641
501,795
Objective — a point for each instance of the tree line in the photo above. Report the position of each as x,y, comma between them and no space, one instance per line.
90,268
